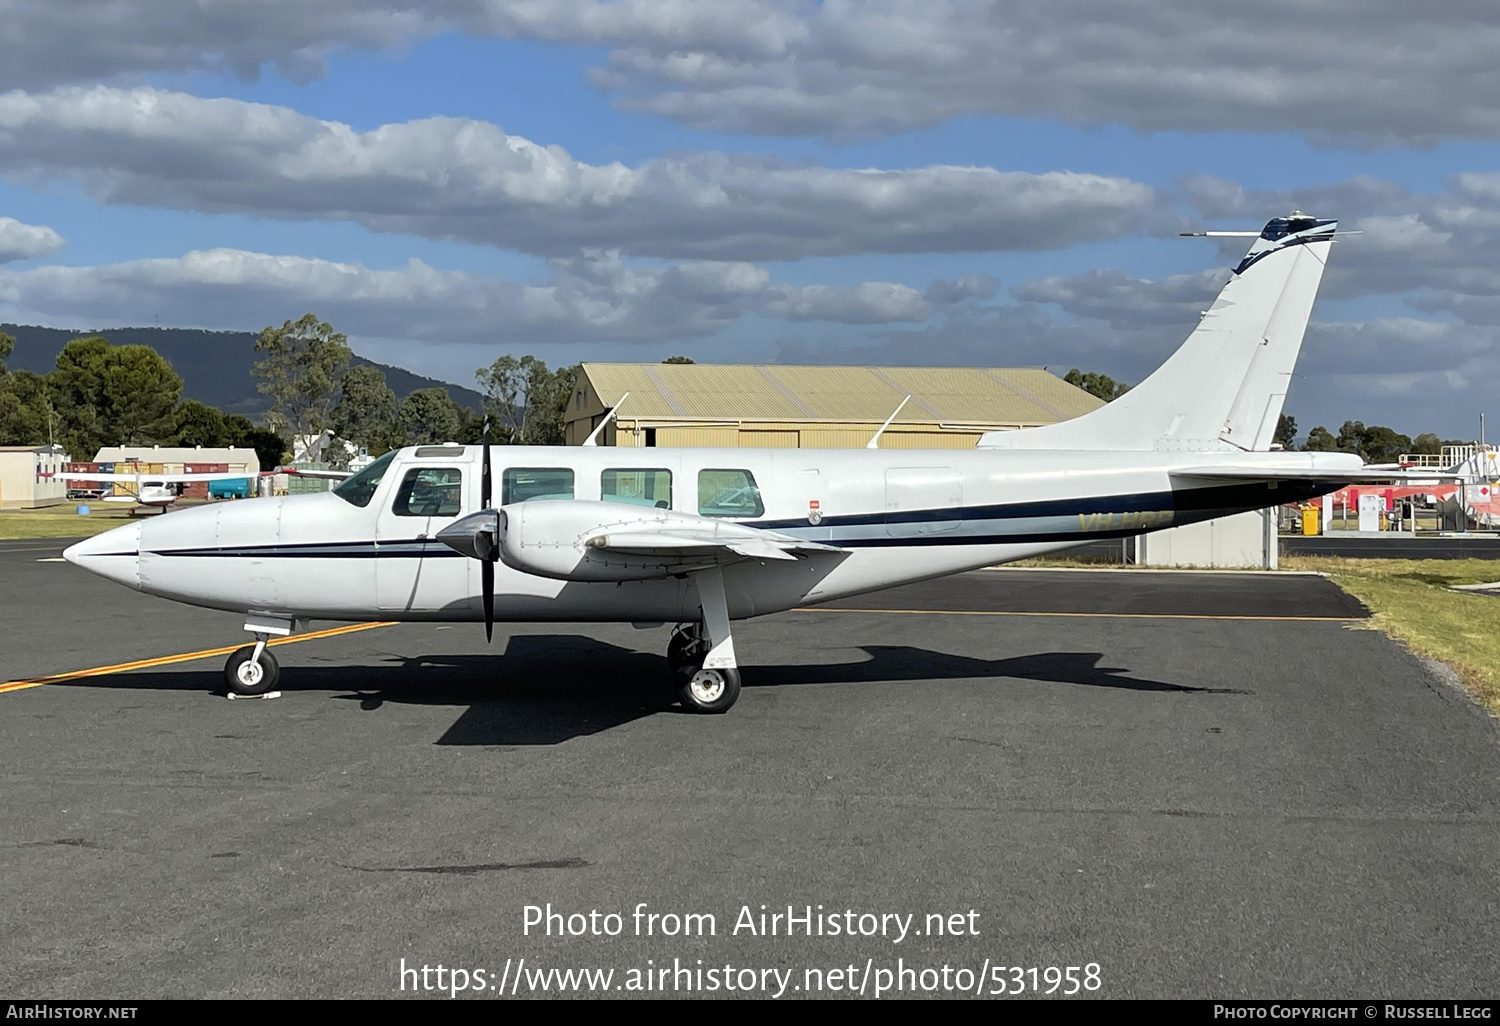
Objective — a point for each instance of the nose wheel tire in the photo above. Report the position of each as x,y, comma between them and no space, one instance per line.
708,691
248,676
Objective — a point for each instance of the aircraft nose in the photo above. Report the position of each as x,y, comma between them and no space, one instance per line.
114,555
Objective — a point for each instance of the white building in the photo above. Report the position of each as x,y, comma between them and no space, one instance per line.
27,476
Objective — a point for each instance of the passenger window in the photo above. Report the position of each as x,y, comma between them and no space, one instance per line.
637,487
728,493
518,484
430,492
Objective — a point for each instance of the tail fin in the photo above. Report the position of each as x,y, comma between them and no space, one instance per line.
1223,388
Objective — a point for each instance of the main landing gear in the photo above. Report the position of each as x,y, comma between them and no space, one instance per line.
253,671
701,655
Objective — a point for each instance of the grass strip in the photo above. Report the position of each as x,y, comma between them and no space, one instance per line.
1412,603
60,522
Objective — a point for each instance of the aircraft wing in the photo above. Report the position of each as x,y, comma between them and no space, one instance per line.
710,543
68,475
1363,475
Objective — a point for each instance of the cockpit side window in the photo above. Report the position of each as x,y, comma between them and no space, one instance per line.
728,493
430,492
360,489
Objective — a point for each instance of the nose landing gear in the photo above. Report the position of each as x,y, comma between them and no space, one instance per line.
252,671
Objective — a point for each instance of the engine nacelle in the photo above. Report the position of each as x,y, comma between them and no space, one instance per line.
549,538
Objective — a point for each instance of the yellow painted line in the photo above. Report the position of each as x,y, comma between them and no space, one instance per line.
185,657
1091,616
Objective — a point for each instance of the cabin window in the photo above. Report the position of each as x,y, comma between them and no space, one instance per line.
360,489
518,484
728,493
430,492
637,487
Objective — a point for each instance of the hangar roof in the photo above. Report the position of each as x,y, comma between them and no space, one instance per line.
236,455
958,395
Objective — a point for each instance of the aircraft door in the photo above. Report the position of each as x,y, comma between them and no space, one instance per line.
414,571
921,501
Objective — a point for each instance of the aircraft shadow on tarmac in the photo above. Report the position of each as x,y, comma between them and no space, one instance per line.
547,689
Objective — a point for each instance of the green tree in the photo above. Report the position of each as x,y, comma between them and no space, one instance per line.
270,448
26,411
7,346
678,359
200,424
303,364
527,401
1376,443
113,395
1100,385
1320,439
1427,444
428,416
1286,431
366,413
1381,444
548,422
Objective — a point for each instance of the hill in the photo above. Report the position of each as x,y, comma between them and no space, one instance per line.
215,365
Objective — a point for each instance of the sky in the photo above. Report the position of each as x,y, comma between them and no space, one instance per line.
914,182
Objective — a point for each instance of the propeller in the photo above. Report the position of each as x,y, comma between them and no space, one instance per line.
487,566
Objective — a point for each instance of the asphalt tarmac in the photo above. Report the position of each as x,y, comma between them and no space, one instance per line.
1394,545
1201,785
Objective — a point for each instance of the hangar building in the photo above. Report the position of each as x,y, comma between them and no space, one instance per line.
777,406
842,407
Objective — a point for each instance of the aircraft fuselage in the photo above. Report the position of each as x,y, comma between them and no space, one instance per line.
895,516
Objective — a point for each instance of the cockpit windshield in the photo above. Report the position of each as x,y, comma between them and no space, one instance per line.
360,489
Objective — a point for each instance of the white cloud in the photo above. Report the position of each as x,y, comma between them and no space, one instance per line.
20,241
1345,70
594,297
455,178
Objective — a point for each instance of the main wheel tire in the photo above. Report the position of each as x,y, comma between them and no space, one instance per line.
251,678
709,691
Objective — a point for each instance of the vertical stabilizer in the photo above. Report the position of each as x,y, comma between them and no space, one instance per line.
1224,387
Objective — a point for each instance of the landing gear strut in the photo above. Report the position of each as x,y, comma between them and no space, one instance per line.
701,655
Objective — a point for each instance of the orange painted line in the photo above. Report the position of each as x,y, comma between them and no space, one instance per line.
1092,616
185,657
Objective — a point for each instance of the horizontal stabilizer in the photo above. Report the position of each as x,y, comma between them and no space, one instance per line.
1361,475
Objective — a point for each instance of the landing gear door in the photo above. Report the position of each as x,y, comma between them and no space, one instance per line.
413,571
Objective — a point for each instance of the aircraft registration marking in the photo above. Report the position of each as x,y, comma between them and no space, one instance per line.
1142,520
184,657
1105,616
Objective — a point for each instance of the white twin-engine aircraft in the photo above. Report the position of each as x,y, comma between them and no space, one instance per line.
703,537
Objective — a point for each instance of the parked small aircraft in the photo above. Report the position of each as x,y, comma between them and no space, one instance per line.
148,489
702,537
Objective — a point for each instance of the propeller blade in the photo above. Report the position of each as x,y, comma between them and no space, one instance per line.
487,578
484,475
